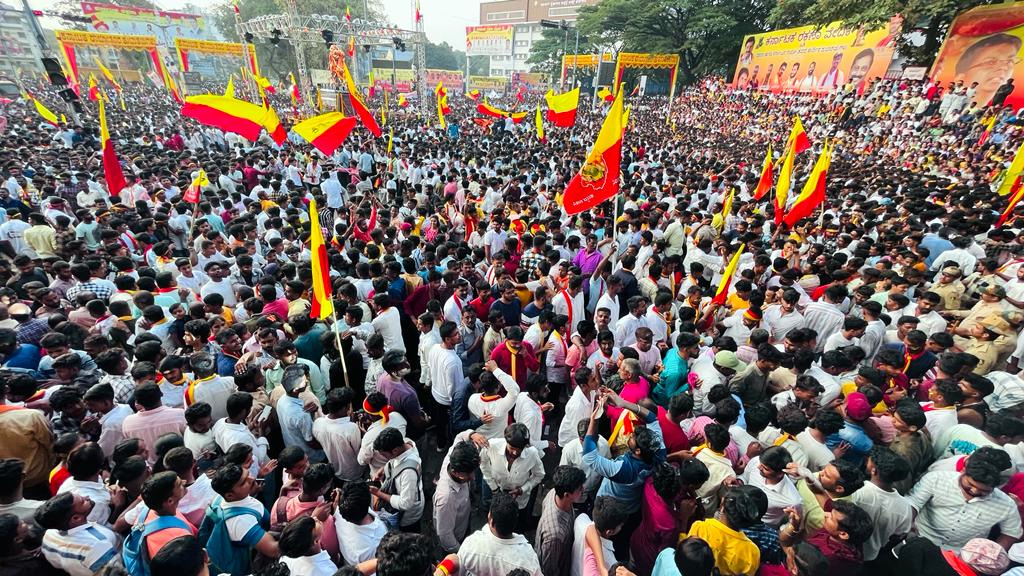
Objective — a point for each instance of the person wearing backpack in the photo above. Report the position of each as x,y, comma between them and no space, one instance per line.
315,482
160,522
236,523
400,496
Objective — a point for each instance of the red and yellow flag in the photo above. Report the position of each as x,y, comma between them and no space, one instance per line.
326,132
348,13
605,94
989,125
194,189
1014,200
94,89
232,115
108,74
765,183
351,46
402,102
173,88
322,305
296,95
362,112
539,122
473,95
783,185
722,294
1011,179
798,137
111,165
813,193
486,109
598,179
419,15
562,107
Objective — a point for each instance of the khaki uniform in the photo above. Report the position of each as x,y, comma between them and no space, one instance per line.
986,352
952,294
978,312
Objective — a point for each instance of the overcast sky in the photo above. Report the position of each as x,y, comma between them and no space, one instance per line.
445,20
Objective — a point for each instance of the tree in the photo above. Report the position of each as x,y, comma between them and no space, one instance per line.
546,53
929,17
443,57
479,66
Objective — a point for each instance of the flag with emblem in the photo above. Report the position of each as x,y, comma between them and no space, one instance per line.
598,179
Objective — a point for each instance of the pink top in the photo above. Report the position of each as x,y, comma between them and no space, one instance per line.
149,425
278,307
732,451
631,392
657,531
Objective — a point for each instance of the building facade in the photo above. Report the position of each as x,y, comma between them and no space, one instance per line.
18,48
524,17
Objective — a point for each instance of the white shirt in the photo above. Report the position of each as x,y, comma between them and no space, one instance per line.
317,565
389,325
81,551
95,491
824,318
453,309
358,542
818,455
579,545
579,407
528,413
367,455
484,554
525,472
561,304
110,432
445,370
890,513
781,495
612,304
625,329
228,434
499,408
223,287
341,440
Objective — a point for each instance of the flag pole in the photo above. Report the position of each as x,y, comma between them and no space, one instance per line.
337,341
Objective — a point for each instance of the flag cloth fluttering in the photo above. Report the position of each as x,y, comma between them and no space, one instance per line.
473,95
783,184
296,95
722,294
41,109
718,220
1013,174
1014,200
419,15
402,102
172,87
362,112
322,305
562,107
798,136
598,179
348,13
813,193
990,125
94,89
230,90
111,165
351,46
108,74
605,94
233,115
764,184
192,193
539,122
326,132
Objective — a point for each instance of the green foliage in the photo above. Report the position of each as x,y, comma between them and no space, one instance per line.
443,57
546,53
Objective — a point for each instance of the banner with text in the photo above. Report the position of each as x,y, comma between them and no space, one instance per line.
452,79
489,40
815,60
160,23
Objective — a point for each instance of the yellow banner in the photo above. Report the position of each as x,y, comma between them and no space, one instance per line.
209,47
489,40
119,41
487,82
815,60
583,60
635,60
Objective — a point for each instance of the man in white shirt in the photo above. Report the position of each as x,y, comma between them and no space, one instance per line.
488,400
824,316
388,323
891,514
359,528
496,548
445,369
459,299
569,302
72,543
218,283
609,516
376,406
768,472
339,436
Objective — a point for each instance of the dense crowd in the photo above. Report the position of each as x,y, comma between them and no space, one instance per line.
505,389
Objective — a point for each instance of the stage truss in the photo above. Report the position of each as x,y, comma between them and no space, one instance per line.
300,30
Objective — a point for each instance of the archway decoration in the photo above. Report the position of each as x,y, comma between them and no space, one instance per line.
186,45
649,62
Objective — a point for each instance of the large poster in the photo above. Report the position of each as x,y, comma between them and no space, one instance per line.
127,20
487,83
489,40
984,46
451,79
815,60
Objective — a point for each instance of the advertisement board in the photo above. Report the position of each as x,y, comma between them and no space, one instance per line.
450,78
984,46
487,83
403,79
533,81
489,40
166,26
556,9
815,60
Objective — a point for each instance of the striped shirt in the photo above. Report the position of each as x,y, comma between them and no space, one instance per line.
81,551
948,519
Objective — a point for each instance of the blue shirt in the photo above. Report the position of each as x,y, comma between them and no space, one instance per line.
225,364
511,311
936,245
673,379
297,427
26,356
854,435
624,476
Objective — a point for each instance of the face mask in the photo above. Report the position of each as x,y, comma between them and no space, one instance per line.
404,372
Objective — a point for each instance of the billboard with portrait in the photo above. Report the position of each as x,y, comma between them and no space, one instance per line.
984,46
449,78
166,26
815,60
489,40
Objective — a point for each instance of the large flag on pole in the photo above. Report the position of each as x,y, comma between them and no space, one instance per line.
364,113
783,185
326,132
765,183
232,115
722,294
798,137
111,165
41,109
108,74
813,193
172,87
539,121
562,107
598,179
1014,200
322,305
94,89
1012,176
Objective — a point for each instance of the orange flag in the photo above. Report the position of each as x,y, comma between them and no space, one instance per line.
765,183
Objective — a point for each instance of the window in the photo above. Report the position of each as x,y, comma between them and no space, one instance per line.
561,12
522,43
522,29
511,15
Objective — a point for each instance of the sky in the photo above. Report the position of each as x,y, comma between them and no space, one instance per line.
444,20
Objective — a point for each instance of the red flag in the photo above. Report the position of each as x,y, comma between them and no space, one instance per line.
798,136
562,107
722,294
765,183
327,131
813,193
111,165
598,179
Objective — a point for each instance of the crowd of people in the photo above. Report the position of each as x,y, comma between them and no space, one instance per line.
506,389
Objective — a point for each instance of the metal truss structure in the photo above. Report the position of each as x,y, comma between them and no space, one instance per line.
300,29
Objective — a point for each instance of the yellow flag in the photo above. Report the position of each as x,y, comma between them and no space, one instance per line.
540,124
44,111
391,139
1012,173
230,90
784,183
319,100
383,117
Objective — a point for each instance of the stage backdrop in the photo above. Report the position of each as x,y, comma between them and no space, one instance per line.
815,60
984,46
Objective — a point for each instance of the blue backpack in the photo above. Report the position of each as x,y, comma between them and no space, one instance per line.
134,553
226,556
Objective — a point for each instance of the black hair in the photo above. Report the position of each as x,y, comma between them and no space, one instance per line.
158,488
296,539
608,513
407,554
855,521
182,556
